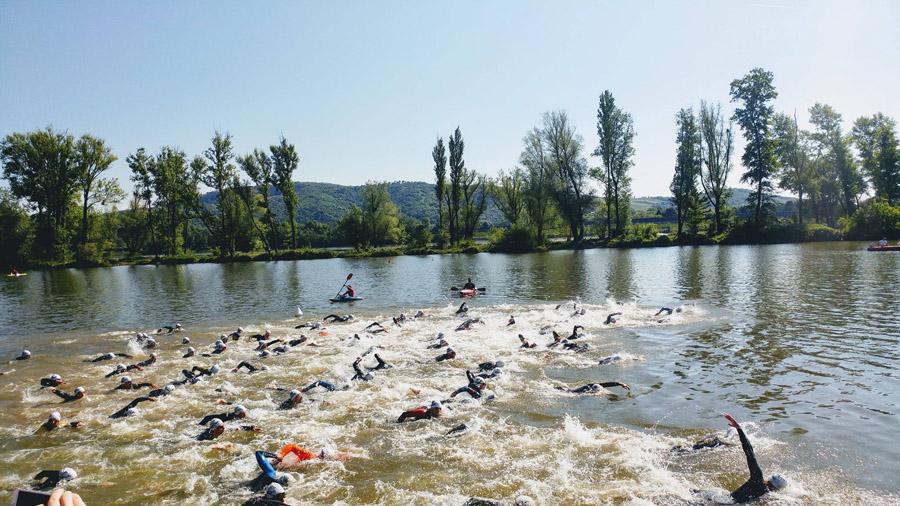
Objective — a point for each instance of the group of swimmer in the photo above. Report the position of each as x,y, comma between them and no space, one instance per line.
269,483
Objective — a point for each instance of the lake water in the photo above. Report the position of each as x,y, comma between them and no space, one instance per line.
799,341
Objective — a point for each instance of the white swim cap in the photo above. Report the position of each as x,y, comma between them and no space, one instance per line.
240,409
151,342
153,355
778,481
294,393
219,343
215,422
523,500
240,330
79,390
436,404
177,325
191,349
170,388
125,379
440,335
67,473
109,355
222,336
131,411
185,340
274,489
26,353
479,380
215,369
55,416
55,377
120,367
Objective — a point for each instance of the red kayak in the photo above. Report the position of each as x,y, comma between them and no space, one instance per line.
468,292
884,248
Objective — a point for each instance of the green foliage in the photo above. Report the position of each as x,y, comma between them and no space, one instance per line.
14,229
517,238
418,234
615,130
685,196
873,220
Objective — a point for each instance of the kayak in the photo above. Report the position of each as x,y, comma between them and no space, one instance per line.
345,299
17,275
884,248
468,292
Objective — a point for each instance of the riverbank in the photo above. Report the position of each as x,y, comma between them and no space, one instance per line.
637,237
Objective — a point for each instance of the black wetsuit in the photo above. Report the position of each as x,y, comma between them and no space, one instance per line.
66,397
263,501
575,334
662,310
225,417
337,318
438,345
122,412
611,318
755,487
135,386
450,354
287,404
168,329
576,347
380,365
51,479
327,385
474,392
377,328
458,429
265,345
463,308
47,382
149,361
159,392
250,367
299,340
360,375
592,388
109,356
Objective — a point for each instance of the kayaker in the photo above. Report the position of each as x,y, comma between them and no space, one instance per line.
469,286
756,486
349,293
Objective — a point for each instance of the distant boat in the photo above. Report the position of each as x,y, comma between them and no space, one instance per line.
889,247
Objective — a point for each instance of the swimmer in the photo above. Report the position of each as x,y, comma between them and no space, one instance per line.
310,325
360,375
459,429
261,337
238,413
299,340
662,310
294,398
490,366
130,408
217,427
463,308
447,355
419,314
108,356
162,392
52,423
219,347
265,344
337,318
511,321
25,355
526,343
594,388
712,441
557,339
611,318
576,347
273,496
54,380
67,397
575,333
611,359
327,385
185,340
380,365
374,328
756,486
49,479
125,383
170,329
234,336
150,343
421,412
579,312
475,388
398,320
190,352
467,325
200,371
250,367
150,361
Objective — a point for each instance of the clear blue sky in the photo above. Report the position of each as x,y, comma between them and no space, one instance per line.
364,88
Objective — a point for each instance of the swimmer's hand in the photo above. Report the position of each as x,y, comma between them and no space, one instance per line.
75,424
60,497
731,421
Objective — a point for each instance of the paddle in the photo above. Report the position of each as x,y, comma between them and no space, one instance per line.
345,284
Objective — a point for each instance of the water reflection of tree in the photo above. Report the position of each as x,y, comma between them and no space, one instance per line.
689,273
621,274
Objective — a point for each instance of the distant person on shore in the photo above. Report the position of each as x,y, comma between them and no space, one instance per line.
756,486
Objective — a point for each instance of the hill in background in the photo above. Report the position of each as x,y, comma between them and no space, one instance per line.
327,202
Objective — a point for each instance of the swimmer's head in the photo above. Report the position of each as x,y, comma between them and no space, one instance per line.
55,417
79,391
523,500
131,412
215,423
125,380
108,356
67,473
169,388
55,377
479,381
240,330
220,345
240,411
185,340
120,368
153,355
436,405
191,350
215,369
26,353
776,482
150,343
274,491
177,325
294,394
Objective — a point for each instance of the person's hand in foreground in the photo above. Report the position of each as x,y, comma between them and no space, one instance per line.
60,497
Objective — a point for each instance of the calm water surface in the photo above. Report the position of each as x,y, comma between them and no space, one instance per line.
799,340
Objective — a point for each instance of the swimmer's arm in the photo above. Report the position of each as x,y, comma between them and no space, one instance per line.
608,384
755,472
64,395
45,474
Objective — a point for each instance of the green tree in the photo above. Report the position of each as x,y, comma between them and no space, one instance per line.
217,172
508,191
756,92
438,154
14,229
352,228
132,231
456,146
793,155
716,149
615,130
140,162
876,142
93,157
836,150
175,188
380,216
563,147
41,169
538,183
258,167
685,195
285,161
474,201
